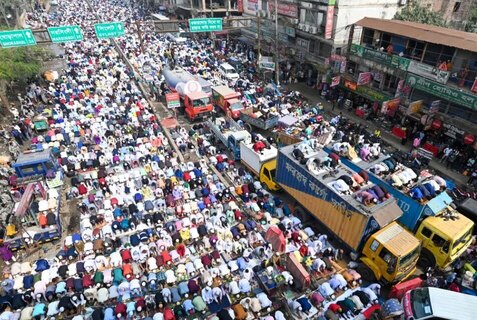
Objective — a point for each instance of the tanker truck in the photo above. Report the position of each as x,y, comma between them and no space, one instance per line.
195,103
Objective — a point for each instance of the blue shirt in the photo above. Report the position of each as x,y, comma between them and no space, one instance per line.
188,305
39,310
109,314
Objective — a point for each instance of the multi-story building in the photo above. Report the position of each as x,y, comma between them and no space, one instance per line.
454,12
312,30
423,72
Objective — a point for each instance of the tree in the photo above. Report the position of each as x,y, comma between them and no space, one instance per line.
18,65
417,13
470,25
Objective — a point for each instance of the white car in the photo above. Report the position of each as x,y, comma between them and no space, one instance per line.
176,37
228,72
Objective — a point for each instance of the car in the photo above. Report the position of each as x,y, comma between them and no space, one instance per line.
176,37
228,72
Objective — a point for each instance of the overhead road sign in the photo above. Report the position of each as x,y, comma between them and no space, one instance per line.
109,30
65,34
17,38
205,24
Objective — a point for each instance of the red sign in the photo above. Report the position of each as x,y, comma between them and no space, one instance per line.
335,81
240,5
337,57
329,22
350,85
173,100
285,9
364,78
474,86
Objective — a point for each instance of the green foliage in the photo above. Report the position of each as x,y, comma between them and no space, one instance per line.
19,64
417,13
471,23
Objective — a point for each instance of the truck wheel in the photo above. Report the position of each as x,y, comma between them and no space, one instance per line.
301,214
426,260
366,273
248,127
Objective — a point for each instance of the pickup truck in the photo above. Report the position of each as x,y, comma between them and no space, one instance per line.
258,120
230,134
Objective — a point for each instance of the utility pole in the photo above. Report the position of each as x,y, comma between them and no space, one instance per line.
139,34
277,76
258,38
228,19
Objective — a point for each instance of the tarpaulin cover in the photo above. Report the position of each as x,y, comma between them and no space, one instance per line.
287,121
276,238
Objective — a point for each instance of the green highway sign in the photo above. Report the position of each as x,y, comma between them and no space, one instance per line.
109,30
17,38
65,34
205,24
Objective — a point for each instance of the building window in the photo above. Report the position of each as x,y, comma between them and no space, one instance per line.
368,36
338,51
456,6
325,50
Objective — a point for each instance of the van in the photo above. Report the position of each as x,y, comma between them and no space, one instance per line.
435,303
228,72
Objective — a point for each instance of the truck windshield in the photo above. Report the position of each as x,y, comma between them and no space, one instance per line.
201,102
458,244
409,258
273,173
421,303
236,106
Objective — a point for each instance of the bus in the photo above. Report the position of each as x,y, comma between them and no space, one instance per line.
439,304
172,36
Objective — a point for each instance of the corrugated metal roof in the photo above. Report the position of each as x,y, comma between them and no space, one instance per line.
424,32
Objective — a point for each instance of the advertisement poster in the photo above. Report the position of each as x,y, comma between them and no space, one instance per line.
364,78
335,81
240,5
173,100
391,106
252,5
343,66
330,19
414,107
285,9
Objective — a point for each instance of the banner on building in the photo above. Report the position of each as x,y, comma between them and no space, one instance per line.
335,81
399,88
240,5
343,66
284,8
414,107
448,93
330,19
252,5
364,78
429,72
474,86
350,85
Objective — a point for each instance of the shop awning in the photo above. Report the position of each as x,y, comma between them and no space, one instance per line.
25,201
247,40
387,214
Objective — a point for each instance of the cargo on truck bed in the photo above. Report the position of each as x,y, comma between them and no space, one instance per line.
334,203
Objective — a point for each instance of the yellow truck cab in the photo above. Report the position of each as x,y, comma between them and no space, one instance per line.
263,164
443,238
391,254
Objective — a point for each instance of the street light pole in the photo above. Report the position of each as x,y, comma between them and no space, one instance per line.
277,76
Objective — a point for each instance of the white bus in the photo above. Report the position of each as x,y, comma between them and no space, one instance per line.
439,304
172,36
